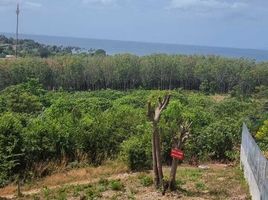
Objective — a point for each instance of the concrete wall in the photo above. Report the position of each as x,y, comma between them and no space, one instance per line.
255,166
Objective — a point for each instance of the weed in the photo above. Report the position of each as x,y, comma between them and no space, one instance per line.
76,191
179,183
92,192
116,185
62,195
101,188
195,174
116,196
146,181
131,196
104,181
200,186
46,191
218,192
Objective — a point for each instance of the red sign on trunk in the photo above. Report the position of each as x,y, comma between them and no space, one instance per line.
178,154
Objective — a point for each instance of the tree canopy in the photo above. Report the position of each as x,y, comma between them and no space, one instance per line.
210,74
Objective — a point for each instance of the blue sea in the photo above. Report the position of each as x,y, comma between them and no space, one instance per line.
144,48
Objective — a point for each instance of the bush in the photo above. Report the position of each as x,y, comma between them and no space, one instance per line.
11,145
91,192
23,98
262,136
116,185
136,152
221,137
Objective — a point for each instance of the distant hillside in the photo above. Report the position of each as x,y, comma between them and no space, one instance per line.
27,47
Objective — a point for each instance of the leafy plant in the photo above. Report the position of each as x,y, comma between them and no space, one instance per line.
136,152
116,185
262,136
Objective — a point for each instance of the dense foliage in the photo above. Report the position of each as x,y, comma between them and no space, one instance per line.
209,74
38,127
262,136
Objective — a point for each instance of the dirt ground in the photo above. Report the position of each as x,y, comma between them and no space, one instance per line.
113,181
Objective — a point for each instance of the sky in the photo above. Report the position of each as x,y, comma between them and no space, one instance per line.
223,23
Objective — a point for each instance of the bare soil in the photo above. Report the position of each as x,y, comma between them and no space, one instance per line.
217,182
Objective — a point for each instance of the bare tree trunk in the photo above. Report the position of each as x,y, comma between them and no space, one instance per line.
18,188
155,168
174,166
154,116
172,178
178,142
158,155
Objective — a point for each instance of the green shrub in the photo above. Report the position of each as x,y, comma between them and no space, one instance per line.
61,194
11,146
116,185
262,136
136,152
91,192
104,182
221,137
23,98
47,193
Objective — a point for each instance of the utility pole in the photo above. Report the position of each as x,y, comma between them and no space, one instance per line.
17,29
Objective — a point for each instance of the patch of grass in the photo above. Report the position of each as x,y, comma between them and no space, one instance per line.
116,196
76,191
194,174
190,174
218,192
179,183
200,186
131,196
46,192
91,192
62,195
103,181
145,180
190,193
116,185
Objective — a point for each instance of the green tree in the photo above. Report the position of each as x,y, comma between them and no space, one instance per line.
11,146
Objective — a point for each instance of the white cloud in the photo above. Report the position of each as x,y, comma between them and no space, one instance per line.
205,5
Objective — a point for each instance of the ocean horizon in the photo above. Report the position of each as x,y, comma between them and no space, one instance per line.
146,48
